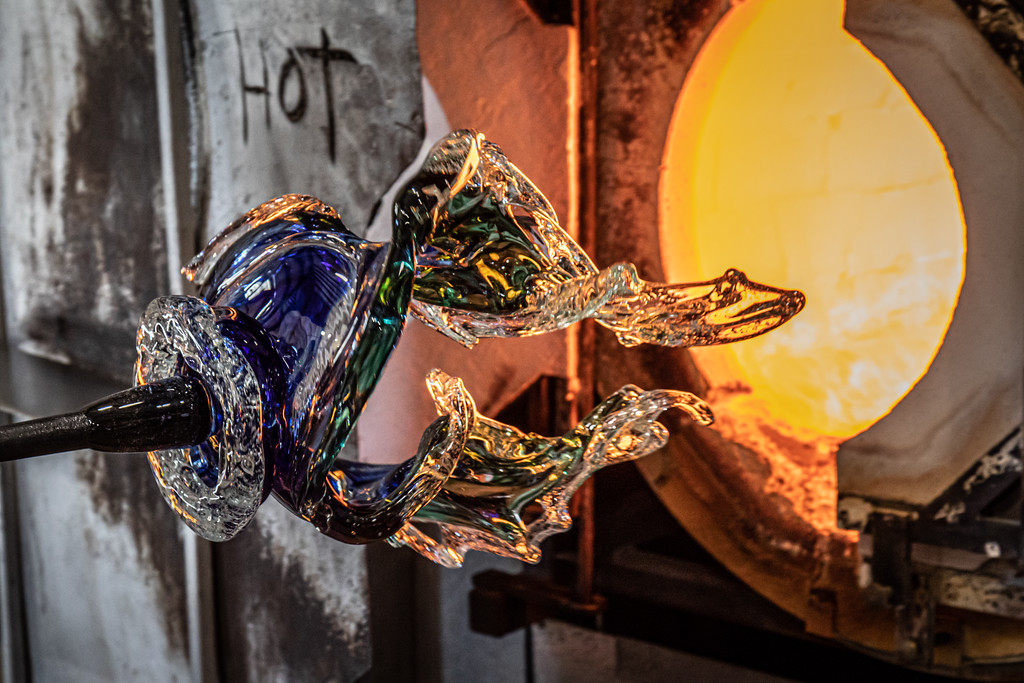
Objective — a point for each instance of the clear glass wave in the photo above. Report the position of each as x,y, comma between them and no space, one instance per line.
510,490
215,486
496,263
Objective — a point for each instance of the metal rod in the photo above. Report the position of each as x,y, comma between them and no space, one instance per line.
586,22
170,413
45,435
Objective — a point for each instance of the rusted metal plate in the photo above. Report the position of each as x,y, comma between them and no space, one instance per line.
645,54
83,238
314,97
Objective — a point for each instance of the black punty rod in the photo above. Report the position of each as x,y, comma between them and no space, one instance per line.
169,413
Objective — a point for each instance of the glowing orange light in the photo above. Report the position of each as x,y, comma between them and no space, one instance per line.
795,156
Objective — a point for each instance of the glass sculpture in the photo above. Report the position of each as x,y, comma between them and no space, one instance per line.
296,318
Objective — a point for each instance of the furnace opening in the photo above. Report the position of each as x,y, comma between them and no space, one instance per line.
795,155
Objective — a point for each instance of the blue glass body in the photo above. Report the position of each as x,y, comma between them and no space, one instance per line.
317,311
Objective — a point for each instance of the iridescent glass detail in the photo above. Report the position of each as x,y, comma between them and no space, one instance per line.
727,309
492,244
318,311
298,317
495,263
332,306
510,490
363,497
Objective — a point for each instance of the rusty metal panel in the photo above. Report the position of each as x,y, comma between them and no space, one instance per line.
314,97
83,238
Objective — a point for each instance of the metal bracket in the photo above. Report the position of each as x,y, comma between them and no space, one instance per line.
501,603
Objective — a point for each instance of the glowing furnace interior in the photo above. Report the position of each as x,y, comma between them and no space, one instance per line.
795,153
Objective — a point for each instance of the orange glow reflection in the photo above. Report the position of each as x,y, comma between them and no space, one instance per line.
796,157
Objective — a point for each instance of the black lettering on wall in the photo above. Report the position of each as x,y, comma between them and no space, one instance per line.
326,54
249,89
292,89
291,65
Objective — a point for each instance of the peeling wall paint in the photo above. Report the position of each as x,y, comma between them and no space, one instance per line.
103,572
292,603
82,252
79,183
